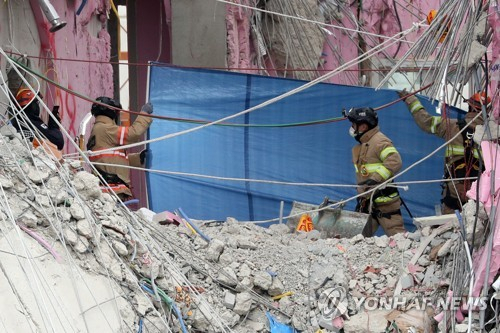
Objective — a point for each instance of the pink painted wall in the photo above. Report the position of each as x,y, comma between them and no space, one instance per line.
238,38
84,38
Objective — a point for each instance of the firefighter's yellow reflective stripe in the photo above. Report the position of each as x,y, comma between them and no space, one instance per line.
476,153
388,198
376,167
386,152
356,168
455,150
436,120
415,106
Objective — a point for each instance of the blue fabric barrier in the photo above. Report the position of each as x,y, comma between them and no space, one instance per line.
307,154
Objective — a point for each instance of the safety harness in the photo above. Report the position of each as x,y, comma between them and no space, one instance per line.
468,166
388,194
116,184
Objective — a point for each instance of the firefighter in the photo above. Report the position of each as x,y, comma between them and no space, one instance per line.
106,133
462,156
29,104
375,160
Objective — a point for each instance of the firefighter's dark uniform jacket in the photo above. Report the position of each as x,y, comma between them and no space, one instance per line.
107,134
51,130
377,159
455,159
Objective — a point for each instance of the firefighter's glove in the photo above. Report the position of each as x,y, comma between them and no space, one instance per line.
52,123
144,155
56,115
148,108
405,95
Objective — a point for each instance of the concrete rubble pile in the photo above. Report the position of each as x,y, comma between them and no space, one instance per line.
251,265
244,270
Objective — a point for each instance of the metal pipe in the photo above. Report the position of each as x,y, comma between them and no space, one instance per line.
281,211
51,15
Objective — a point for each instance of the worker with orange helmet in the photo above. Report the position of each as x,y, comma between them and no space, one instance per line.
28,104
462,156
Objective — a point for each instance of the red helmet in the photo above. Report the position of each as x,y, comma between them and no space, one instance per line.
24,97
478,100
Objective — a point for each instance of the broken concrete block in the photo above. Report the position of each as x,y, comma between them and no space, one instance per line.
38,176
70,236
88,185
280,229
243,303
254,326
262,280
28,219
120,248
82,245
6,183
245,284
84,228
77,211
276,288
225,259
244,271
404,244
227,277
229,299
423,261
356,239
214,250
245,243
369,321
406,281
202,318
313,234
445,249
298,322
230,318
382,241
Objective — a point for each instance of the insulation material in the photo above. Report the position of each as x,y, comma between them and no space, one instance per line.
491,160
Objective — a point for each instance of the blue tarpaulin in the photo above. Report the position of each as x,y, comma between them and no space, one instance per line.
248,147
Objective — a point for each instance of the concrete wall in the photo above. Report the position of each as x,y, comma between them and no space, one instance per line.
198,33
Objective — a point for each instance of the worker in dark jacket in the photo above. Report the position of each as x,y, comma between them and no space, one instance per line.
106,133
462,156
375,160
29,105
